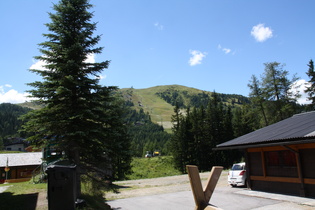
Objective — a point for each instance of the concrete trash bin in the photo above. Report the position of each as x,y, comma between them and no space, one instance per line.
61,189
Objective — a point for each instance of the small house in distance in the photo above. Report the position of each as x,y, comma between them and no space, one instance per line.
15,144
280,158
17,167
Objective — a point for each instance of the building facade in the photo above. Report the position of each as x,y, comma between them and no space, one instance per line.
15,167
280,158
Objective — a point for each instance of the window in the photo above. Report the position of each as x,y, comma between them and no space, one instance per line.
283,158
237,167
281,163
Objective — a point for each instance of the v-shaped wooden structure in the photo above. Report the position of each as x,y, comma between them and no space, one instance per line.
202,196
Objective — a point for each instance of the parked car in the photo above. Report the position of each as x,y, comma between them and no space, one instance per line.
237,175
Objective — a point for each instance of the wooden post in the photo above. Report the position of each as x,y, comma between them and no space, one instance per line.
196,187
202,197
299,169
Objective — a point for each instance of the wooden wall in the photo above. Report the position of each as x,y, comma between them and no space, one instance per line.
18,172
288,169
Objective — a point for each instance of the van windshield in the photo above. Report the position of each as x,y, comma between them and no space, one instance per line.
237,167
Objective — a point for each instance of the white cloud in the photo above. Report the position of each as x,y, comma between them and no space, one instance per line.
300,86
225,50
101,77
159,26
196,57
40,65
261,33
12,96
90,58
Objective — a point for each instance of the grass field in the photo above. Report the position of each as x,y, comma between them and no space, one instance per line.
161,166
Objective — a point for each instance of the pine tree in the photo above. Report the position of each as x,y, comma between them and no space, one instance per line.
182,139
311,89
79,115
175,144
277,89
256,96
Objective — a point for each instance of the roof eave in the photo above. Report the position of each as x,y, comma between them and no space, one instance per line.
266,144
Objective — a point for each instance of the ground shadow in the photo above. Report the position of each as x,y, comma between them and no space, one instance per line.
115,188
95,202
14,202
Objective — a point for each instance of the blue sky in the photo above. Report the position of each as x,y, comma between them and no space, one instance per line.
204,44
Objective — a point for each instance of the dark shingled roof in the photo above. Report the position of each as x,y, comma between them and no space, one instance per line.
299,128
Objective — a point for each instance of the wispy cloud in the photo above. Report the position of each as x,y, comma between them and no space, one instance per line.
261,33
225,50
196,57
12,96
159,26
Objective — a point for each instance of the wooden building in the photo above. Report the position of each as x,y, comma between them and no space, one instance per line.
17,167
280,158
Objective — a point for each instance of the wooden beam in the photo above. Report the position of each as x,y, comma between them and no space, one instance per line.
212,181
196,186
202,197
309,181
275,148
282,179
299,168
263,162
275,179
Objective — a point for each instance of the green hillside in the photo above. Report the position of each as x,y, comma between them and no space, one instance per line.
159,101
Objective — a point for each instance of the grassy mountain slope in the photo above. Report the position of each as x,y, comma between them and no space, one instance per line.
159,110
159,101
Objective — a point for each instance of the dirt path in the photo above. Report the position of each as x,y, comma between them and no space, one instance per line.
142,187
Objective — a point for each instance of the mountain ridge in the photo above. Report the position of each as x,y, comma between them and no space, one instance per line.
159,101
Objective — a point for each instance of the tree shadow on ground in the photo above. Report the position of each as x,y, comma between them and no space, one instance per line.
12,202
115,188
95,202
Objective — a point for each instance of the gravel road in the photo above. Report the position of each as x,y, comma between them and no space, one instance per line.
175,193
143,187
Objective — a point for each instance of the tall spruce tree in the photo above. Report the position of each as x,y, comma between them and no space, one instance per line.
79,115
311,89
